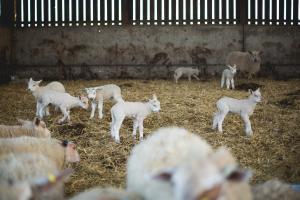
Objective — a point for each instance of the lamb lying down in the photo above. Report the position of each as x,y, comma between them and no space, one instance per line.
136,110
242,107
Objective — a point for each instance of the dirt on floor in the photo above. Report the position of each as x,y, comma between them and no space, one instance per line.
273,150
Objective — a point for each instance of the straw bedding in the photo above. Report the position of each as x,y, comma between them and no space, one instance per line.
273,151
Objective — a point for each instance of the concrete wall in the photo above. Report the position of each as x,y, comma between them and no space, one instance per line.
5,53
141,51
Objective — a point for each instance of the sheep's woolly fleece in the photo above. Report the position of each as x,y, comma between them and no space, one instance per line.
273,151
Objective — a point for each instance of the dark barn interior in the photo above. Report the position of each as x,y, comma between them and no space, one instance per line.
138,45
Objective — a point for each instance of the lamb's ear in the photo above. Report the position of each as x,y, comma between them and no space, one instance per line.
250,52
38,82
154,97
234,66
250,91
258,89
229,66
37,121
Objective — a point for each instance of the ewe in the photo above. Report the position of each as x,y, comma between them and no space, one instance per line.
247,62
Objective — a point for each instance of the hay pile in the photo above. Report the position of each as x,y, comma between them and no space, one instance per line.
273,151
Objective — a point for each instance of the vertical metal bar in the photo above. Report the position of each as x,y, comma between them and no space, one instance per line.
217,7
202,10
267,12
209,11
281,12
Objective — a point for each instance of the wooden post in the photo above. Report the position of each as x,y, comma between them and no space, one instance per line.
126,12
7,13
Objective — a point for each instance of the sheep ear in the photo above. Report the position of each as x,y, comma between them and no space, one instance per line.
37,121
234,66
222,158
250,52
258,89
239,175
164,175
229,66
38,82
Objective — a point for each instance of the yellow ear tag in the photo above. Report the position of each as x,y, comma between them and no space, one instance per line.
51,178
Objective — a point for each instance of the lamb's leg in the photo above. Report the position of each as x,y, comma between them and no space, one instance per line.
221,117
232,84
93,110
227,84
248,129
135,126
100,107
40,110
141,129
190,78
222,81
37,110
47,113
112,125
177,77
117,126
215,120
65,113
196,77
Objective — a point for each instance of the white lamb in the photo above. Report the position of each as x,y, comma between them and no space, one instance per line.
103,93
37,91
228,75
173,164
64,101
187,71
243,107
136,110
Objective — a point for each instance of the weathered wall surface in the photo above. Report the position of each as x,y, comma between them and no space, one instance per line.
5,53
141,51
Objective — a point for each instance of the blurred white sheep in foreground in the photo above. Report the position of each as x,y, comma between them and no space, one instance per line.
173,164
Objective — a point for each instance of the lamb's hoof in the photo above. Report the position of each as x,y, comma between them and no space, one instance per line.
249,134
91,117
118,141
100,116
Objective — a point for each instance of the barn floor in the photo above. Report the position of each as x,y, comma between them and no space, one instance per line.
273,151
